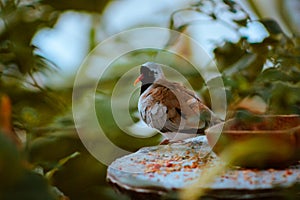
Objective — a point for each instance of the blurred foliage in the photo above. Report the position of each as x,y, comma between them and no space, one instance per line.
17,181
214,10
269,69
51,163
115,134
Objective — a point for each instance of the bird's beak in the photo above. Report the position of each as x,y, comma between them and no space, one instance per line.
138,79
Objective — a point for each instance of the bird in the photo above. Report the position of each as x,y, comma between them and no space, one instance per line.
169,107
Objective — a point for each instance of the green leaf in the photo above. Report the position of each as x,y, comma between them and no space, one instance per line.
61,145
10,162
272,26
241,22
31,186
79,174
249,66
285,98
228,54
244,116
17,182
60,163
273,74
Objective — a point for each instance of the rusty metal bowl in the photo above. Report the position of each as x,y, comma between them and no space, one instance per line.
263,142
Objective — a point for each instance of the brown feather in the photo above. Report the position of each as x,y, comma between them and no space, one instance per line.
169,106
183,106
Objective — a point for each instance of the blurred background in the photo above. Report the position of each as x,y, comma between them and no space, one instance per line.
43,43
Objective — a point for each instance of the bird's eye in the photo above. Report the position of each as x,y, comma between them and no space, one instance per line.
153,73
150,73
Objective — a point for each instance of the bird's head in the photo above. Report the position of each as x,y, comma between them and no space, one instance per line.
149,73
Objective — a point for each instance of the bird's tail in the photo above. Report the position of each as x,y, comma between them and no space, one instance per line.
209,118
215,120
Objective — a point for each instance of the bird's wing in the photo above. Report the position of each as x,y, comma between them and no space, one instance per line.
171,107
183,106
